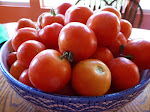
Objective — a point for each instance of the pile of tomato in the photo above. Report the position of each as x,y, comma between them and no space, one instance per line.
73,50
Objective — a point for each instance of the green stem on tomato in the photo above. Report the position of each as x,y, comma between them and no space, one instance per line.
68,55
52,11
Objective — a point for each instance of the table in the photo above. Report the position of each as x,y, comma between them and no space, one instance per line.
10,101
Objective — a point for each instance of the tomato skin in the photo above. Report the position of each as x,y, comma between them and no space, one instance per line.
91,77
105,25
12,57
138,49
48,19
23,35
16,69
103,54
24,22
24,78
78,39
49,73
124,73
62,8
28,50
49,35
77,14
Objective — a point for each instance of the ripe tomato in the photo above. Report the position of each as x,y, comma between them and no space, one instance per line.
91,77
24,78
103,54
113,10
126,28
39,20
115,46
49,18
16,69
49,35
124,73
24,22
78,39
78,14
138,49
106,26
12,57
23,35
48,71
62,8
28,50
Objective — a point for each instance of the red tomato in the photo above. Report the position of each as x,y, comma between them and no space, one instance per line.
91,77
24,78
78,39
49,35
115,46
138,49
49,72
49,18
106,26
77,14
103,54
12,57
39,20
28,50
124,73
16,69
61,9
23,35
24,22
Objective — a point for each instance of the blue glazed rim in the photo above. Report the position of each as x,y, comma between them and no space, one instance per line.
84,99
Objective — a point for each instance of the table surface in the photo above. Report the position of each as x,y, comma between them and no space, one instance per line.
10,101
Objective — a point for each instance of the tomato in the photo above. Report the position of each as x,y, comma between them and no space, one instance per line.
24,78
12,57
48,71
126,28
124,73
78,39
39,19
138,50
24,22
49,35
113,10
115,46
28,50
49,18
78,14
16,69
106,26
23,35
62,8
91,77
103,54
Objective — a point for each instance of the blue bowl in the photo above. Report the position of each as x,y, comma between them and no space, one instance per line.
48,102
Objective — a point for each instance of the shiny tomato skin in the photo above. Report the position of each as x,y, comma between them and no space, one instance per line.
28,50
139,50
91,77
78,39
12,57
48,72
124,73
23,35
49,35
105,25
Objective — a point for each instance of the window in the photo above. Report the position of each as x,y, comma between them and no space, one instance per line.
145,4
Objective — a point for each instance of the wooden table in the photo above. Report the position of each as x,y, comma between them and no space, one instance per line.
10,101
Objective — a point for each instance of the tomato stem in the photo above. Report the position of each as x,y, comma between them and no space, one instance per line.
122,48
68,55
52,11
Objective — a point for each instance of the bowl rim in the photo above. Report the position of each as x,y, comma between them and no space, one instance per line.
38,92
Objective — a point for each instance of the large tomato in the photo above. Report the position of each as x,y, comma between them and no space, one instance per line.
124,73
138,50
91,77
106,26
48,71
78,14
49,35
79,39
